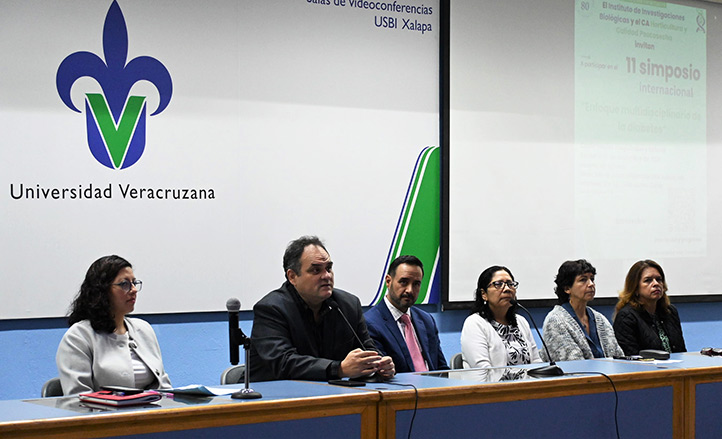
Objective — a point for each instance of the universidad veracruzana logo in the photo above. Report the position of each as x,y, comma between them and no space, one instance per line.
115,120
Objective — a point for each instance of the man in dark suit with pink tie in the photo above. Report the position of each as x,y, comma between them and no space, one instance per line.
405,333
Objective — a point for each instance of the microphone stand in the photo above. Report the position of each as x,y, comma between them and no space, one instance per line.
246,392
545,371
237,338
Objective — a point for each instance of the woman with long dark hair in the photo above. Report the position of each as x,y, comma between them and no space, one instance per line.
104,347
494,335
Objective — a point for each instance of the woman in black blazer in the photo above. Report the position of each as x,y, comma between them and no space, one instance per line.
645,319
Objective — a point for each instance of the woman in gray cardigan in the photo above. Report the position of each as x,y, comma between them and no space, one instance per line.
103,347
572,330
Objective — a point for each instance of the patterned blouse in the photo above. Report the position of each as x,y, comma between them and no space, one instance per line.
517,351
662,334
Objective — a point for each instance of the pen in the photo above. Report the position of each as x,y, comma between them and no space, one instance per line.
166,394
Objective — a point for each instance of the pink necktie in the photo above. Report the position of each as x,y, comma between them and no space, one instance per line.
413,345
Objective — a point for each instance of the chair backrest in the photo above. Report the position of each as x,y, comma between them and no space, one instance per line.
457,362
234,374
52,387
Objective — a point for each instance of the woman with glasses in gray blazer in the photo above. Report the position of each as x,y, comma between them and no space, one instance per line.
103,346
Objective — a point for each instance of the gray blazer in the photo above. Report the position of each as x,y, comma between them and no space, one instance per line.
566,340
87,359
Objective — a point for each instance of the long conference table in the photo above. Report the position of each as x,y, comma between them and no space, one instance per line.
679,398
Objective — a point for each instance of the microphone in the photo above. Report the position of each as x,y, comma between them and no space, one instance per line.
334,305
545,371
374,377
236,338
233,305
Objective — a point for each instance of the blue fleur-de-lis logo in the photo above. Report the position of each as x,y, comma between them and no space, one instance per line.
115,120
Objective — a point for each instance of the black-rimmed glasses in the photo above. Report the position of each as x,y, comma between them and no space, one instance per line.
711,352
499,285
126,285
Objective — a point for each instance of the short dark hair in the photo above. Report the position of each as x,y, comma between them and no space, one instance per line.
93,300
480,305
294,251
405,259
566,275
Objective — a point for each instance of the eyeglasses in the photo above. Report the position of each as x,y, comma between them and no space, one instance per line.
126,285
711,352
499,285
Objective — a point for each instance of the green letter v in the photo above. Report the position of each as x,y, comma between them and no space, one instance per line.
117,137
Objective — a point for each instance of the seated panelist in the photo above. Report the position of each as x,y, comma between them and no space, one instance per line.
573,330
645,319
309,330
407,334
104,347
494,335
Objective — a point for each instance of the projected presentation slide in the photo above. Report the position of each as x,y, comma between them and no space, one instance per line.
585,130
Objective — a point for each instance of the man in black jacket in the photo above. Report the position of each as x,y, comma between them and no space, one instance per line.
309,330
